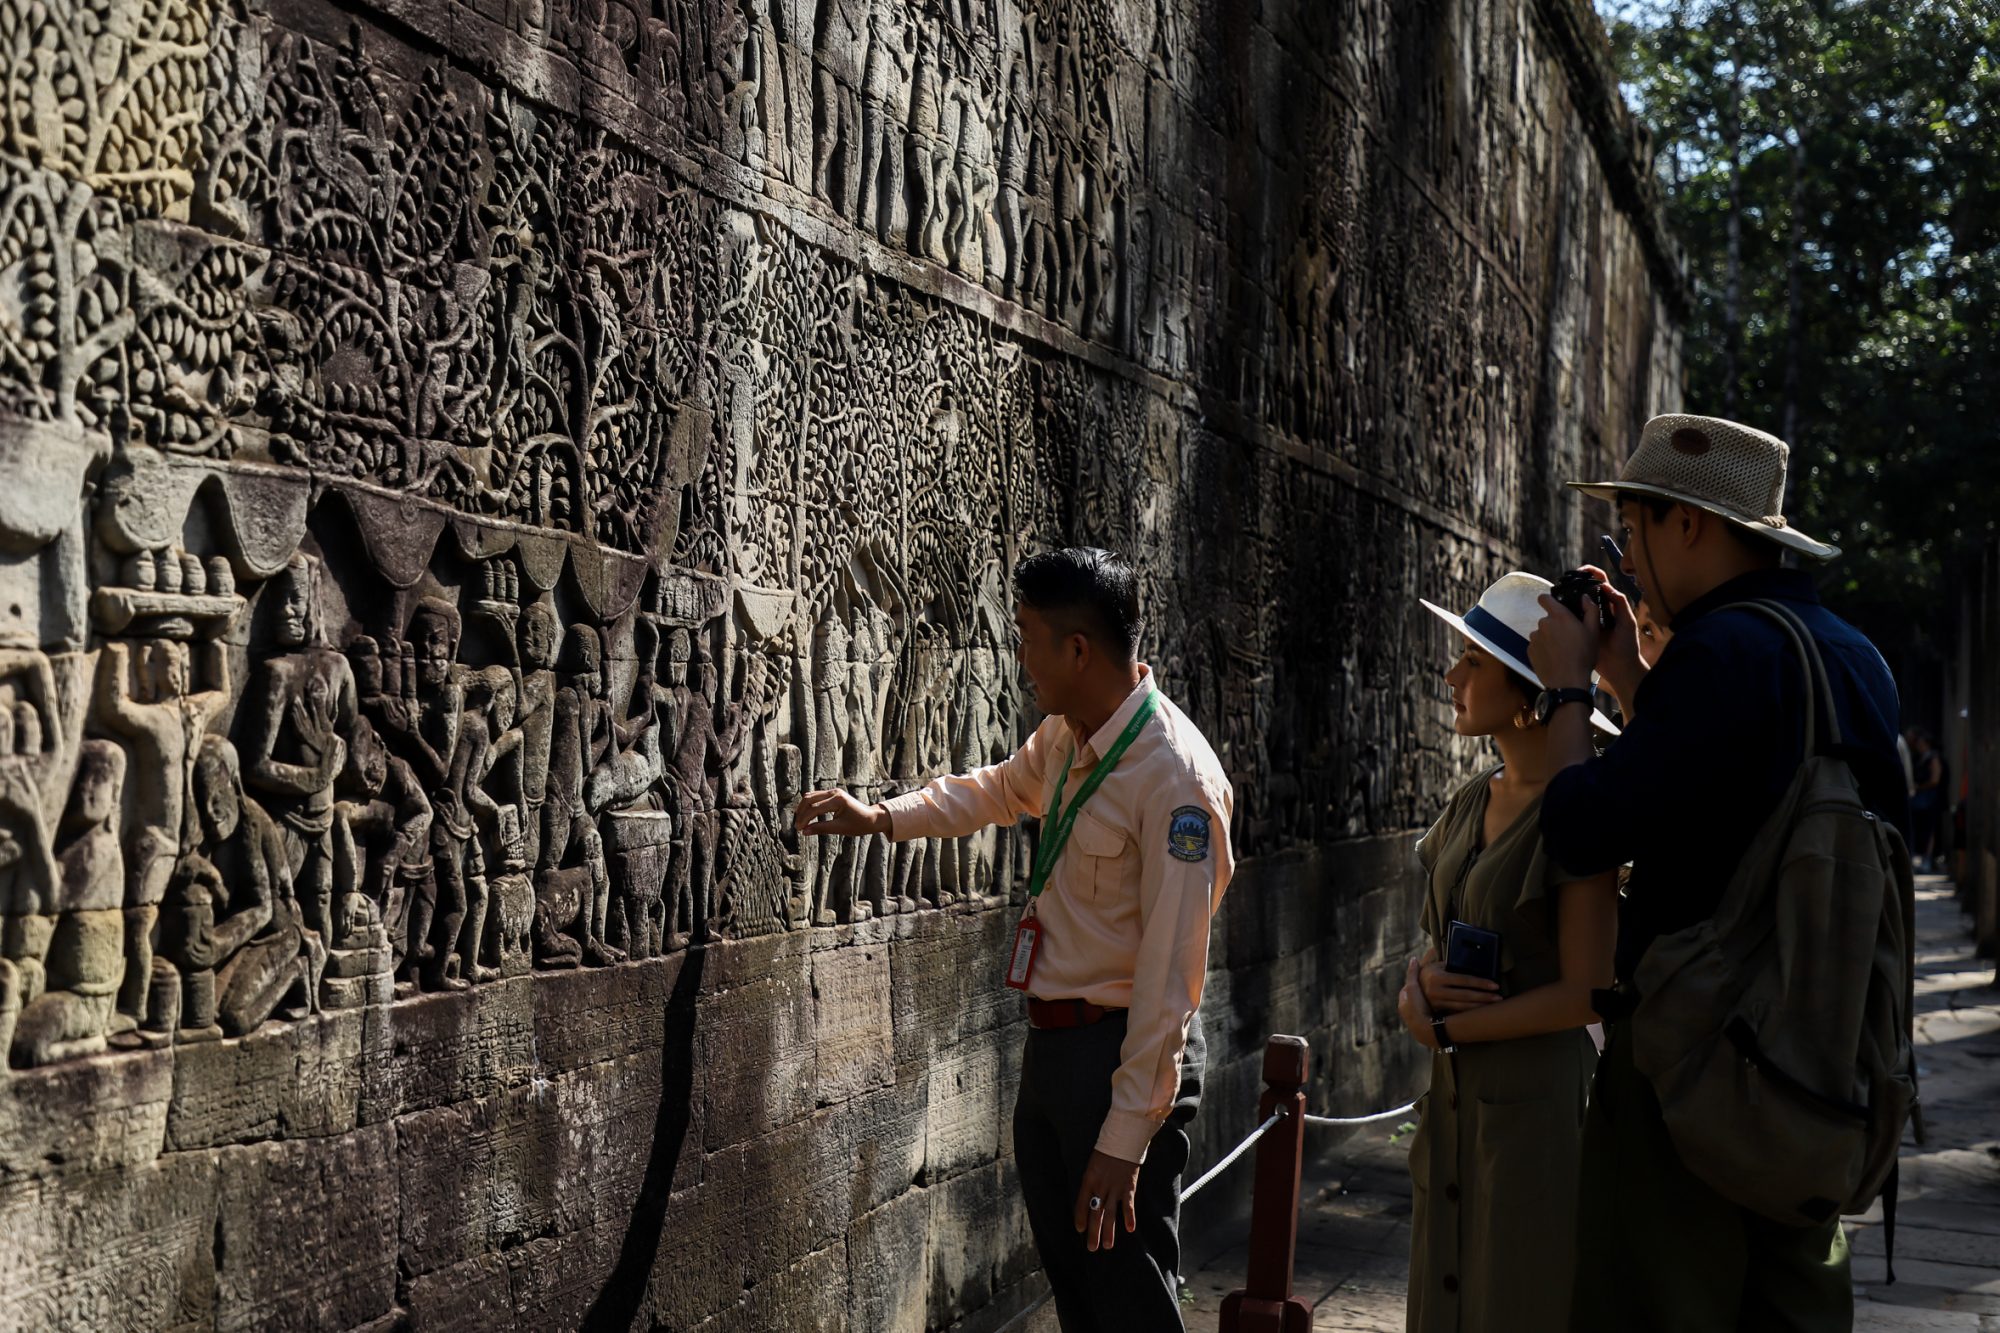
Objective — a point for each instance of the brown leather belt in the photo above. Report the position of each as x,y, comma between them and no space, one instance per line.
1046,1014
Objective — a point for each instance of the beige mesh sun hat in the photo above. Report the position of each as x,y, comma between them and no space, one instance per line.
1729,470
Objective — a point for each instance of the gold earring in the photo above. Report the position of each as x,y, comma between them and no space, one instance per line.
1525,718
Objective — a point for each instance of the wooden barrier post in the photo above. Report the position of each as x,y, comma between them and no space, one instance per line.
1266,1303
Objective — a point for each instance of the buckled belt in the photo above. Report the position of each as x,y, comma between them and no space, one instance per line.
1047,1014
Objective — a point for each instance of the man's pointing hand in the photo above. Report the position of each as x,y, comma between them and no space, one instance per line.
823,812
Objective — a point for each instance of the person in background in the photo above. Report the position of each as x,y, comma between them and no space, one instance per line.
1928,777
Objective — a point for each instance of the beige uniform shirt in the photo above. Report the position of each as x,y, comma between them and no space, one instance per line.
1125,912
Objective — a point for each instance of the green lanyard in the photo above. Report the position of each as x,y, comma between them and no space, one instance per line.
1057,824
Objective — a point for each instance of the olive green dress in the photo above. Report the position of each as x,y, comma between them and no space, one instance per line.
1494,1163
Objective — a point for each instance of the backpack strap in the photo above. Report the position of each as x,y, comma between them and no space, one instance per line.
1819,689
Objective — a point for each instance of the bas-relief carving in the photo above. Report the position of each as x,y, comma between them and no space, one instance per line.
468,472
450,541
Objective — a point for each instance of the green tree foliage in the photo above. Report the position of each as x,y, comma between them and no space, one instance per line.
1833,168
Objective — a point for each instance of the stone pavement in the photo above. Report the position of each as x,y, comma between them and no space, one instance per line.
1354,1236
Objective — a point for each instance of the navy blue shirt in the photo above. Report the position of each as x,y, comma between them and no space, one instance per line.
1717,736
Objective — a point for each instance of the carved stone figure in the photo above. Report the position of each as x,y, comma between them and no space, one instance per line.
539,636
513,895
150,703
30,807
426,725
409,898
737,84
833,731
304,704
796,47
572,882
230,928
85,961
631,762
981,736
703,753
1016,143
463,810
840,45
764,54
974,175
382,835
885,111
767,695
929,151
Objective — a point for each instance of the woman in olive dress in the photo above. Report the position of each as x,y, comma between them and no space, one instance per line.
1494,1161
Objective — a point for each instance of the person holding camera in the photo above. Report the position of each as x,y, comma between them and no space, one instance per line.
1715,741
1501,998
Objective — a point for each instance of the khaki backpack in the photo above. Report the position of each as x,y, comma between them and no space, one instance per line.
1776,1034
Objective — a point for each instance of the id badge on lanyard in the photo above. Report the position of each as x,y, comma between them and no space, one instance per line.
1055,834
1021,964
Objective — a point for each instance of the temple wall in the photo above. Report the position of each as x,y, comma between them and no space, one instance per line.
466,466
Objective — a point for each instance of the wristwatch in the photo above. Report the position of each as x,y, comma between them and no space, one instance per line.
1548,701
1443,1038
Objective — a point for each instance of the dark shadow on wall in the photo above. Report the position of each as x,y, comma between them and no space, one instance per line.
617,1305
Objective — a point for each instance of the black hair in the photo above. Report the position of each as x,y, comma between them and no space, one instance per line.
1089,590
1659,506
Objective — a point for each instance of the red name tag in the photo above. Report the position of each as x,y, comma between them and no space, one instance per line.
1027,936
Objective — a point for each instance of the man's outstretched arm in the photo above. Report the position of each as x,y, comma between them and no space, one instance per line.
945,807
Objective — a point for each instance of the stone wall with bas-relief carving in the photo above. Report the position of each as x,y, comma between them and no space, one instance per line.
466,466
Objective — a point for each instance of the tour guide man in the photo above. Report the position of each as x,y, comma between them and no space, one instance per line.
1133,858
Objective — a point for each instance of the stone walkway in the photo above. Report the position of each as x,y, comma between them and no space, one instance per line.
1353,1257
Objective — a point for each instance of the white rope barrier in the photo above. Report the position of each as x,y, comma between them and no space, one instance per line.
1402,1110
1235,1153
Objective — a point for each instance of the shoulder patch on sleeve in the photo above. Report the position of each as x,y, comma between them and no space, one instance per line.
1187,833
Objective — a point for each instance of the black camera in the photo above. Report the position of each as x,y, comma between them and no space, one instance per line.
1573,588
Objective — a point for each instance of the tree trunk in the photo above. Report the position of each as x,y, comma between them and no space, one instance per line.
1732,286
1795,310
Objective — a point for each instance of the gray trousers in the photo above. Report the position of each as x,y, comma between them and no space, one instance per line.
1065,1092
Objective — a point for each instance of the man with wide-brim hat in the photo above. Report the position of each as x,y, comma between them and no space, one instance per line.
1714,734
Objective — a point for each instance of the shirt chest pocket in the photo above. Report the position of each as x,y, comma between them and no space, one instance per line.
1102,851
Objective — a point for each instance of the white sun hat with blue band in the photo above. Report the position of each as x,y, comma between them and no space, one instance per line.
1500,623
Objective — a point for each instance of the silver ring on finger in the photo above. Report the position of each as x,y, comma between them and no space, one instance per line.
1095,1203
